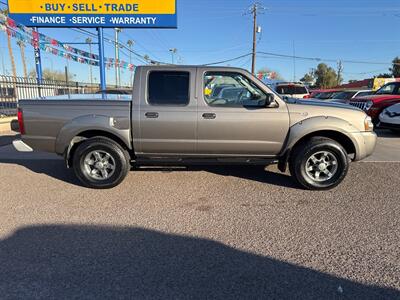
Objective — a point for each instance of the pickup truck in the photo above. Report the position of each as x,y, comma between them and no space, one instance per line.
196,115
373,105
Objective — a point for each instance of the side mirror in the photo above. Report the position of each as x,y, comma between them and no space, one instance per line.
269,99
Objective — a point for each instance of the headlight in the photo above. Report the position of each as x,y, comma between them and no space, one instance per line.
368,105
368,125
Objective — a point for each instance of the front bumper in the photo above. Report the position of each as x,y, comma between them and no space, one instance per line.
365,143
20,146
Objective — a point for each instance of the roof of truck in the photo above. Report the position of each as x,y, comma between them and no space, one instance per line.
187,67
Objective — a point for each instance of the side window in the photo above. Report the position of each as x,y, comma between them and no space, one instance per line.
232,90
168,88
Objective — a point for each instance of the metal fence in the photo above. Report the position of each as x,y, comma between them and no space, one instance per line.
13,89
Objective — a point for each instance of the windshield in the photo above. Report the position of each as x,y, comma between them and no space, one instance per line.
344,95
325,95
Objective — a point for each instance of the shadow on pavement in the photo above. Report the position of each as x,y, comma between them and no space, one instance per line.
53,168
253,173
91,262
7,139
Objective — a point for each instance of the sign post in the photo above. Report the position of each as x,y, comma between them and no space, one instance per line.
103,85
93,14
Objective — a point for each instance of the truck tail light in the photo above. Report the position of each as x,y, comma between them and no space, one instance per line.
21,121
307,96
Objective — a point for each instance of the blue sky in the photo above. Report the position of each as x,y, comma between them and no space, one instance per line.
214,30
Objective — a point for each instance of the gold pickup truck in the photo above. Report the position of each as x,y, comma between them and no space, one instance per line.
182,115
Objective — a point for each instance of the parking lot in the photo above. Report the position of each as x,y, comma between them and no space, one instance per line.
204,232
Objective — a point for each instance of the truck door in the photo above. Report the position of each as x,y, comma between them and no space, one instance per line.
168,112
233,118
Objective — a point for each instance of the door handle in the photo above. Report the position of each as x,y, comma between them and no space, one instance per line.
209,116
151,115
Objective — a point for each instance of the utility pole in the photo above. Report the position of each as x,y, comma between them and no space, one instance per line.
173,52
89,42
254,10
117,62
339,71
294,62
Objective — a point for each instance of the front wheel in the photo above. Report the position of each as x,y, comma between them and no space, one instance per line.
101,163
319,164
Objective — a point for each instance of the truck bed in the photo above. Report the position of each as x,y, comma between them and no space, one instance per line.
45,119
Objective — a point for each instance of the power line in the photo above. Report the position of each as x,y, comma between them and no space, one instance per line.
327,59
227,60
110,41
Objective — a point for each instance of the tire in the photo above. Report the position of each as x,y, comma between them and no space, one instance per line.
100,163
319,154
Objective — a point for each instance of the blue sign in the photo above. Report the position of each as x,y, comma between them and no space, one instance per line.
85,13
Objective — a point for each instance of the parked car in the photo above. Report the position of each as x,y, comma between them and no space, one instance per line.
325,94
173,118
292,90
390,118
374,104
347,95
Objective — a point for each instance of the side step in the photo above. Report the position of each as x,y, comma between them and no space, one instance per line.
168,161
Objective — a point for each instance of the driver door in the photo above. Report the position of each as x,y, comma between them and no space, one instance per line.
231,118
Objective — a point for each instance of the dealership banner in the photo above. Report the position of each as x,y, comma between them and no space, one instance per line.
89,13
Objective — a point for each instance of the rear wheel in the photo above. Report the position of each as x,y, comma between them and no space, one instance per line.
319,163
101,163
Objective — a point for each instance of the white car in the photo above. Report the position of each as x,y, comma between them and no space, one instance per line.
390,118
292,90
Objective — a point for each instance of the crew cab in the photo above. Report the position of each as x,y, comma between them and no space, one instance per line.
373,105
196,115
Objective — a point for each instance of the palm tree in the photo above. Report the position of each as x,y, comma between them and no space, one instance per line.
10,51
21,45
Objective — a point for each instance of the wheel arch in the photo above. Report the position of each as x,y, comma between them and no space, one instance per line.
87,134
333,133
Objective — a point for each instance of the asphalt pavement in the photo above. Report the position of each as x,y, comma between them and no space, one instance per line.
211,232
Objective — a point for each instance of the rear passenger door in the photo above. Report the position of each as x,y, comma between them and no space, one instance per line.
168,113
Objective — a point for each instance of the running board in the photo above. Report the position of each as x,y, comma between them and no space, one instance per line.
168,161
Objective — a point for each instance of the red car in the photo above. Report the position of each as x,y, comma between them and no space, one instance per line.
374,104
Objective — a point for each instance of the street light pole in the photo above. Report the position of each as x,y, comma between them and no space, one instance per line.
117,68
89,42
173,51
130,44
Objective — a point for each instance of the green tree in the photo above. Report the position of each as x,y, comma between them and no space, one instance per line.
396,67
309,77
384,75
326,77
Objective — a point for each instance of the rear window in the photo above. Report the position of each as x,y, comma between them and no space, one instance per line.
291,89
168,88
